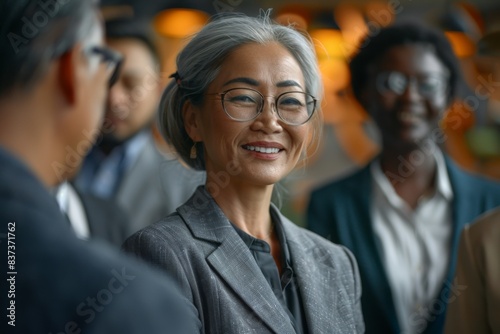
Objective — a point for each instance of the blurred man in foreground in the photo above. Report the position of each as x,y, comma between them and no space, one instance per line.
55,75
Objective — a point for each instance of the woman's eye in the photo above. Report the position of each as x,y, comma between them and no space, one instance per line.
290,102
242,99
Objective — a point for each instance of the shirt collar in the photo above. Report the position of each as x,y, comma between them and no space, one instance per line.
249,240
443,185
131,148
134,145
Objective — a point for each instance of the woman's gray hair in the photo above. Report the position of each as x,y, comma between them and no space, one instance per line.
198,64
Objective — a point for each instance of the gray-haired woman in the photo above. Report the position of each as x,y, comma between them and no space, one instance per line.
243,105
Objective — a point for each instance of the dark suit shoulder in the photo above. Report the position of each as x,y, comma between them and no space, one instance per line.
475,181
350,181
89,286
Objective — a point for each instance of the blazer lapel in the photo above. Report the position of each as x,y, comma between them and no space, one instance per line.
233,261
311,282
316,282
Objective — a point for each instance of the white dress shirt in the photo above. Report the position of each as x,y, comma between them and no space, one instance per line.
414,244
71,205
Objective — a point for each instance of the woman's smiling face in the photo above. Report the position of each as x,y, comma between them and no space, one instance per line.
264,149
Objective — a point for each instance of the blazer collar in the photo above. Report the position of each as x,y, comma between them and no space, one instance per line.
316,281
232,260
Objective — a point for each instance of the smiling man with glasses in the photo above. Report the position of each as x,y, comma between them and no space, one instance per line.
402,214
52,92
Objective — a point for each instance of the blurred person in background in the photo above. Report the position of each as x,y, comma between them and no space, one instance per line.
55,77
126,164
402,214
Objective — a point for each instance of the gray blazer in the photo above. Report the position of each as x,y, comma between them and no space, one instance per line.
198,247
154,187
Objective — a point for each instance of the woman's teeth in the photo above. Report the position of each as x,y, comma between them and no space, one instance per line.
261,149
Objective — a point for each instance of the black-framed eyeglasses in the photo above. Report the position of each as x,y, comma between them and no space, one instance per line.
245,104
428,85
113,60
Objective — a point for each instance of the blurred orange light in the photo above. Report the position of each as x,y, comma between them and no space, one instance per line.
352,24
462,45
329,43
380,12
179,23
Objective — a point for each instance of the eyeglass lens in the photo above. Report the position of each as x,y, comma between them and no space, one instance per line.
245,104
429,85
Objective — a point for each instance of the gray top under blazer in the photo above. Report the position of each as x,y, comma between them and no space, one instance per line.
216,271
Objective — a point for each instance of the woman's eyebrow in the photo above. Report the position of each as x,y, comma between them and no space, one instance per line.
245,80
253,82
288,83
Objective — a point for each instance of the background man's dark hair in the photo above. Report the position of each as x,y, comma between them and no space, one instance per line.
407,33
34,32
136,28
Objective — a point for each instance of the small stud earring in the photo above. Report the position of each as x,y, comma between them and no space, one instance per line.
193,154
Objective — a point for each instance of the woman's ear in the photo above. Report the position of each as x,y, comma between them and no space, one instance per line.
191,116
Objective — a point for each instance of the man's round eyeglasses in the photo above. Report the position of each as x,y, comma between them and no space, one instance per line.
429,85
245,104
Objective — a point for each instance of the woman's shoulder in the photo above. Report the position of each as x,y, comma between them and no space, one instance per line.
170,230
349,182
310,240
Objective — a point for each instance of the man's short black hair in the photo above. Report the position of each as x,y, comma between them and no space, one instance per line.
34,32
406,33
140,29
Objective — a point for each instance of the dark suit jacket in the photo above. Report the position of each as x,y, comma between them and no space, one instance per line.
216,271
63,284
341,212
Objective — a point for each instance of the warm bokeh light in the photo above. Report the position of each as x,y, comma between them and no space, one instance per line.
381,13
352,24
463,46
329,43
179,23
